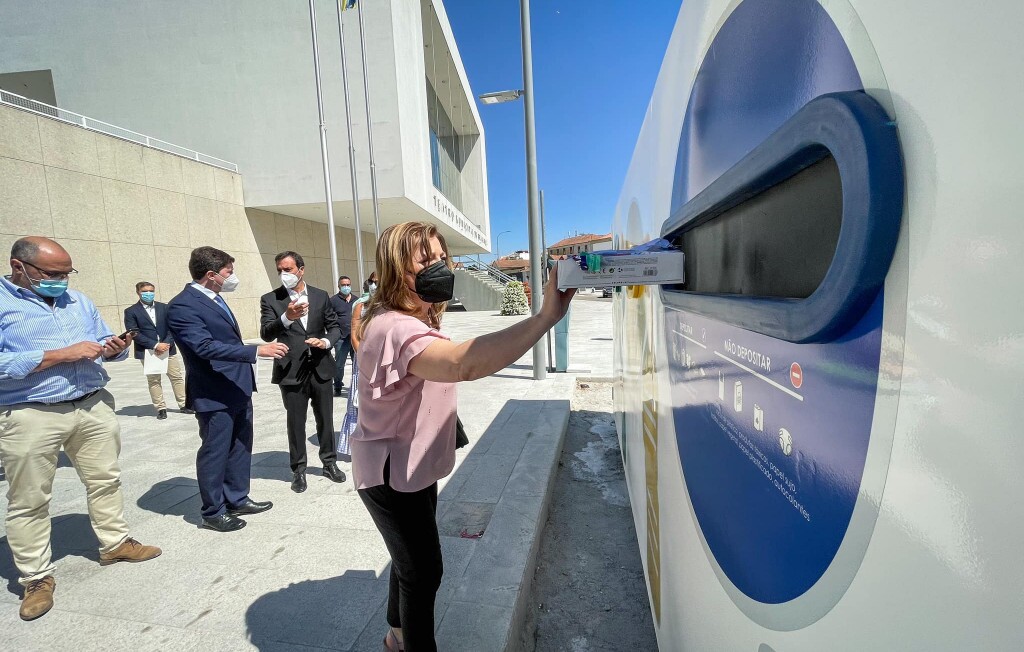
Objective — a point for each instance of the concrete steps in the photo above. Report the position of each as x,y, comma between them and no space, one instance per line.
478,290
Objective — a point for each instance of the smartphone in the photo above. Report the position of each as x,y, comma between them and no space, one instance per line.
130,331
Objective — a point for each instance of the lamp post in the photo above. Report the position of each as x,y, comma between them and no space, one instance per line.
537,257
497,250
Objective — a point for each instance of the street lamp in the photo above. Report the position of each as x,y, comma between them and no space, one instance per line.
537,257
497,251
501,97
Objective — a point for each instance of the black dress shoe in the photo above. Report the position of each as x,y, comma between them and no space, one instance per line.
299,482
161,414
250,506
333,472
187,411
337,391
224,523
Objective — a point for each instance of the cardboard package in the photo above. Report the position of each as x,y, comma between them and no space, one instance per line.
654,268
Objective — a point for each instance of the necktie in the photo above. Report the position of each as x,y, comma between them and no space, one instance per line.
224,307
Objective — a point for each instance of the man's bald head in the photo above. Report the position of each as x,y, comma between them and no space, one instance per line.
29,248
33,257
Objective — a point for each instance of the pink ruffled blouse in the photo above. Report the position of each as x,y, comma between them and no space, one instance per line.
401,416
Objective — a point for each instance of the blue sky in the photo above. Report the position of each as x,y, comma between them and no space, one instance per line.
594,67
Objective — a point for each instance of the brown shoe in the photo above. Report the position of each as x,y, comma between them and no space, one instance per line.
131,550
38,598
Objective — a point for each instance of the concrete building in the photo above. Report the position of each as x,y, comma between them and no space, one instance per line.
129,213
516,267
586,243
234,79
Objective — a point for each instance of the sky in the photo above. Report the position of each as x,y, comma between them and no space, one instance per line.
594,67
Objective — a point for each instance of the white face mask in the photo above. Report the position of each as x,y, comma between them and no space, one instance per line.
229,284
289,280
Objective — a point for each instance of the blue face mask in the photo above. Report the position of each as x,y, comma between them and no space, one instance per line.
45,287
148,297
48,288
345,290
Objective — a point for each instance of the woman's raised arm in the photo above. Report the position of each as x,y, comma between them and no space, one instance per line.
450,362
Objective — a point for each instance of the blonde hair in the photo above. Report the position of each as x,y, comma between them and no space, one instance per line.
397,249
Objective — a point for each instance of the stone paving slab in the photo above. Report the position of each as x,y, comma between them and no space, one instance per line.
312,573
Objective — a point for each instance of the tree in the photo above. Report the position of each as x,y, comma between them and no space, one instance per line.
513,302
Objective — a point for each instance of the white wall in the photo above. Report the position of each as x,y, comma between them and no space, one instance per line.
234,79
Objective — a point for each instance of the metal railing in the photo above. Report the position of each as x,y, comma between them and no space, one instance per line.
492,271
53,112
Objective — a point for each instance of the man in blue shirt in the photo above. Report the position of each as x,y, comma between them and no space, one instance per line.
52,346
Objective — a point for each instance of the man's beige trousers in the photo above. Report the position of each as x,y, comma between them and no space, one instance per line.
176,372
31,436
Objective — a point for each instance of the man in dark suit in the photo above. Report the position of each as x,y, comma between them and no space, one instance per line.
342,303
219,387
301,317
148,318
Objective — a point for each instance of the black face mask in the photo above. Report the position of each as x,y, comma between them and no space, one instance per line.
435,283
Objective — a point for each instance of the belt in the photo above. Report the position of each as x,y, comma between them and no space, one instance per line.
73,400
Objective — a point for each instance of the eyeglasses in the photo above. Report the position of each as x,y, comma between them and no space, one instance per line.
51,275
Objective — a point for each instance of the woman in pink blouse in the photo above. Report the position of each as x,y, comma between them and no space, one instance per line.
405,440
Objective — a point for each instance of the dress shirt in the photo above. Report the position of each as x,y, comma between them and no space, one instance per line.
293,295
219,300
29,327
209,293
150,310
343,308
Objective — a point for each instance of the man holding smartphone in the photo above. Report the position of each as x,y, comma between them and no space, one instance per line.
301,317
53,343
148,319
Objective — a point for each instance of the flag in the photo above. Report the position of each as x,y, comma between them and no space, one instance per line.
348,4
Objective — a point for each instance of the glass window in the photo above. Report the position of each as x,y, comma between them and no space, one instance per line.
452,132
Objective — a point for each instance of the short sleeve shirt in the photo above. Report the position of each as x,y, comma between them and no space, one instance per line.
402,417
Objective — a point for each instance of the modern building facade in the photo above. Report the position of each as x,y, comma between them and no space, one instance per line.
235,79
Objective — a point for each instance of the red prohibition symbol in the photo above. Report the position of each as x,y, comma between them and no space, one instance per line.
796,375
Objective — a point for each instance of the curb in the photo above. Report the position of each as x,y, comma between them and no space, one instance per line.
488,605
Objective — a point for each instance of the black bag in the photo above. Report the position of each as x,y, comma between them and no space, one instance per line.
460,434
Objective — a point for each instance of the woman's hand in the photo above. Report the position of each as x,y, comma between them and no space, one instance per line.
556,302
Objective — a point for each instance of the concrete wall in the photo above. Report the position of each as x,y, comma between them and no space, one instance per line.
128,213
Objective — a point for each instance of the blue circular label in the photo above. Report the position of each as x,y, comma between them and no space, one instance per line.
772,436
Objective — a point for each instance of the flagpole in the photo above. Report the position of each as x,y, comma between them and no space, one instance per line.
369,123
351,147
323,145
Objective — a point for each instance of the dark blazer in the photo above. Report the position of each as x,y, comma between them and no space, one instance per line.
302,359
218,365
149,335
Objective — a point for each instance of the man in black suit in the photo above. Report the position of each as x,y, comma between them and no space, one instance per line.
219,387
149,318
301,317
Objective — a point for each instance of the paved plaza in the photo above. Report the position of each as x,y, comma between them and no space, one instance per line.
312,573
